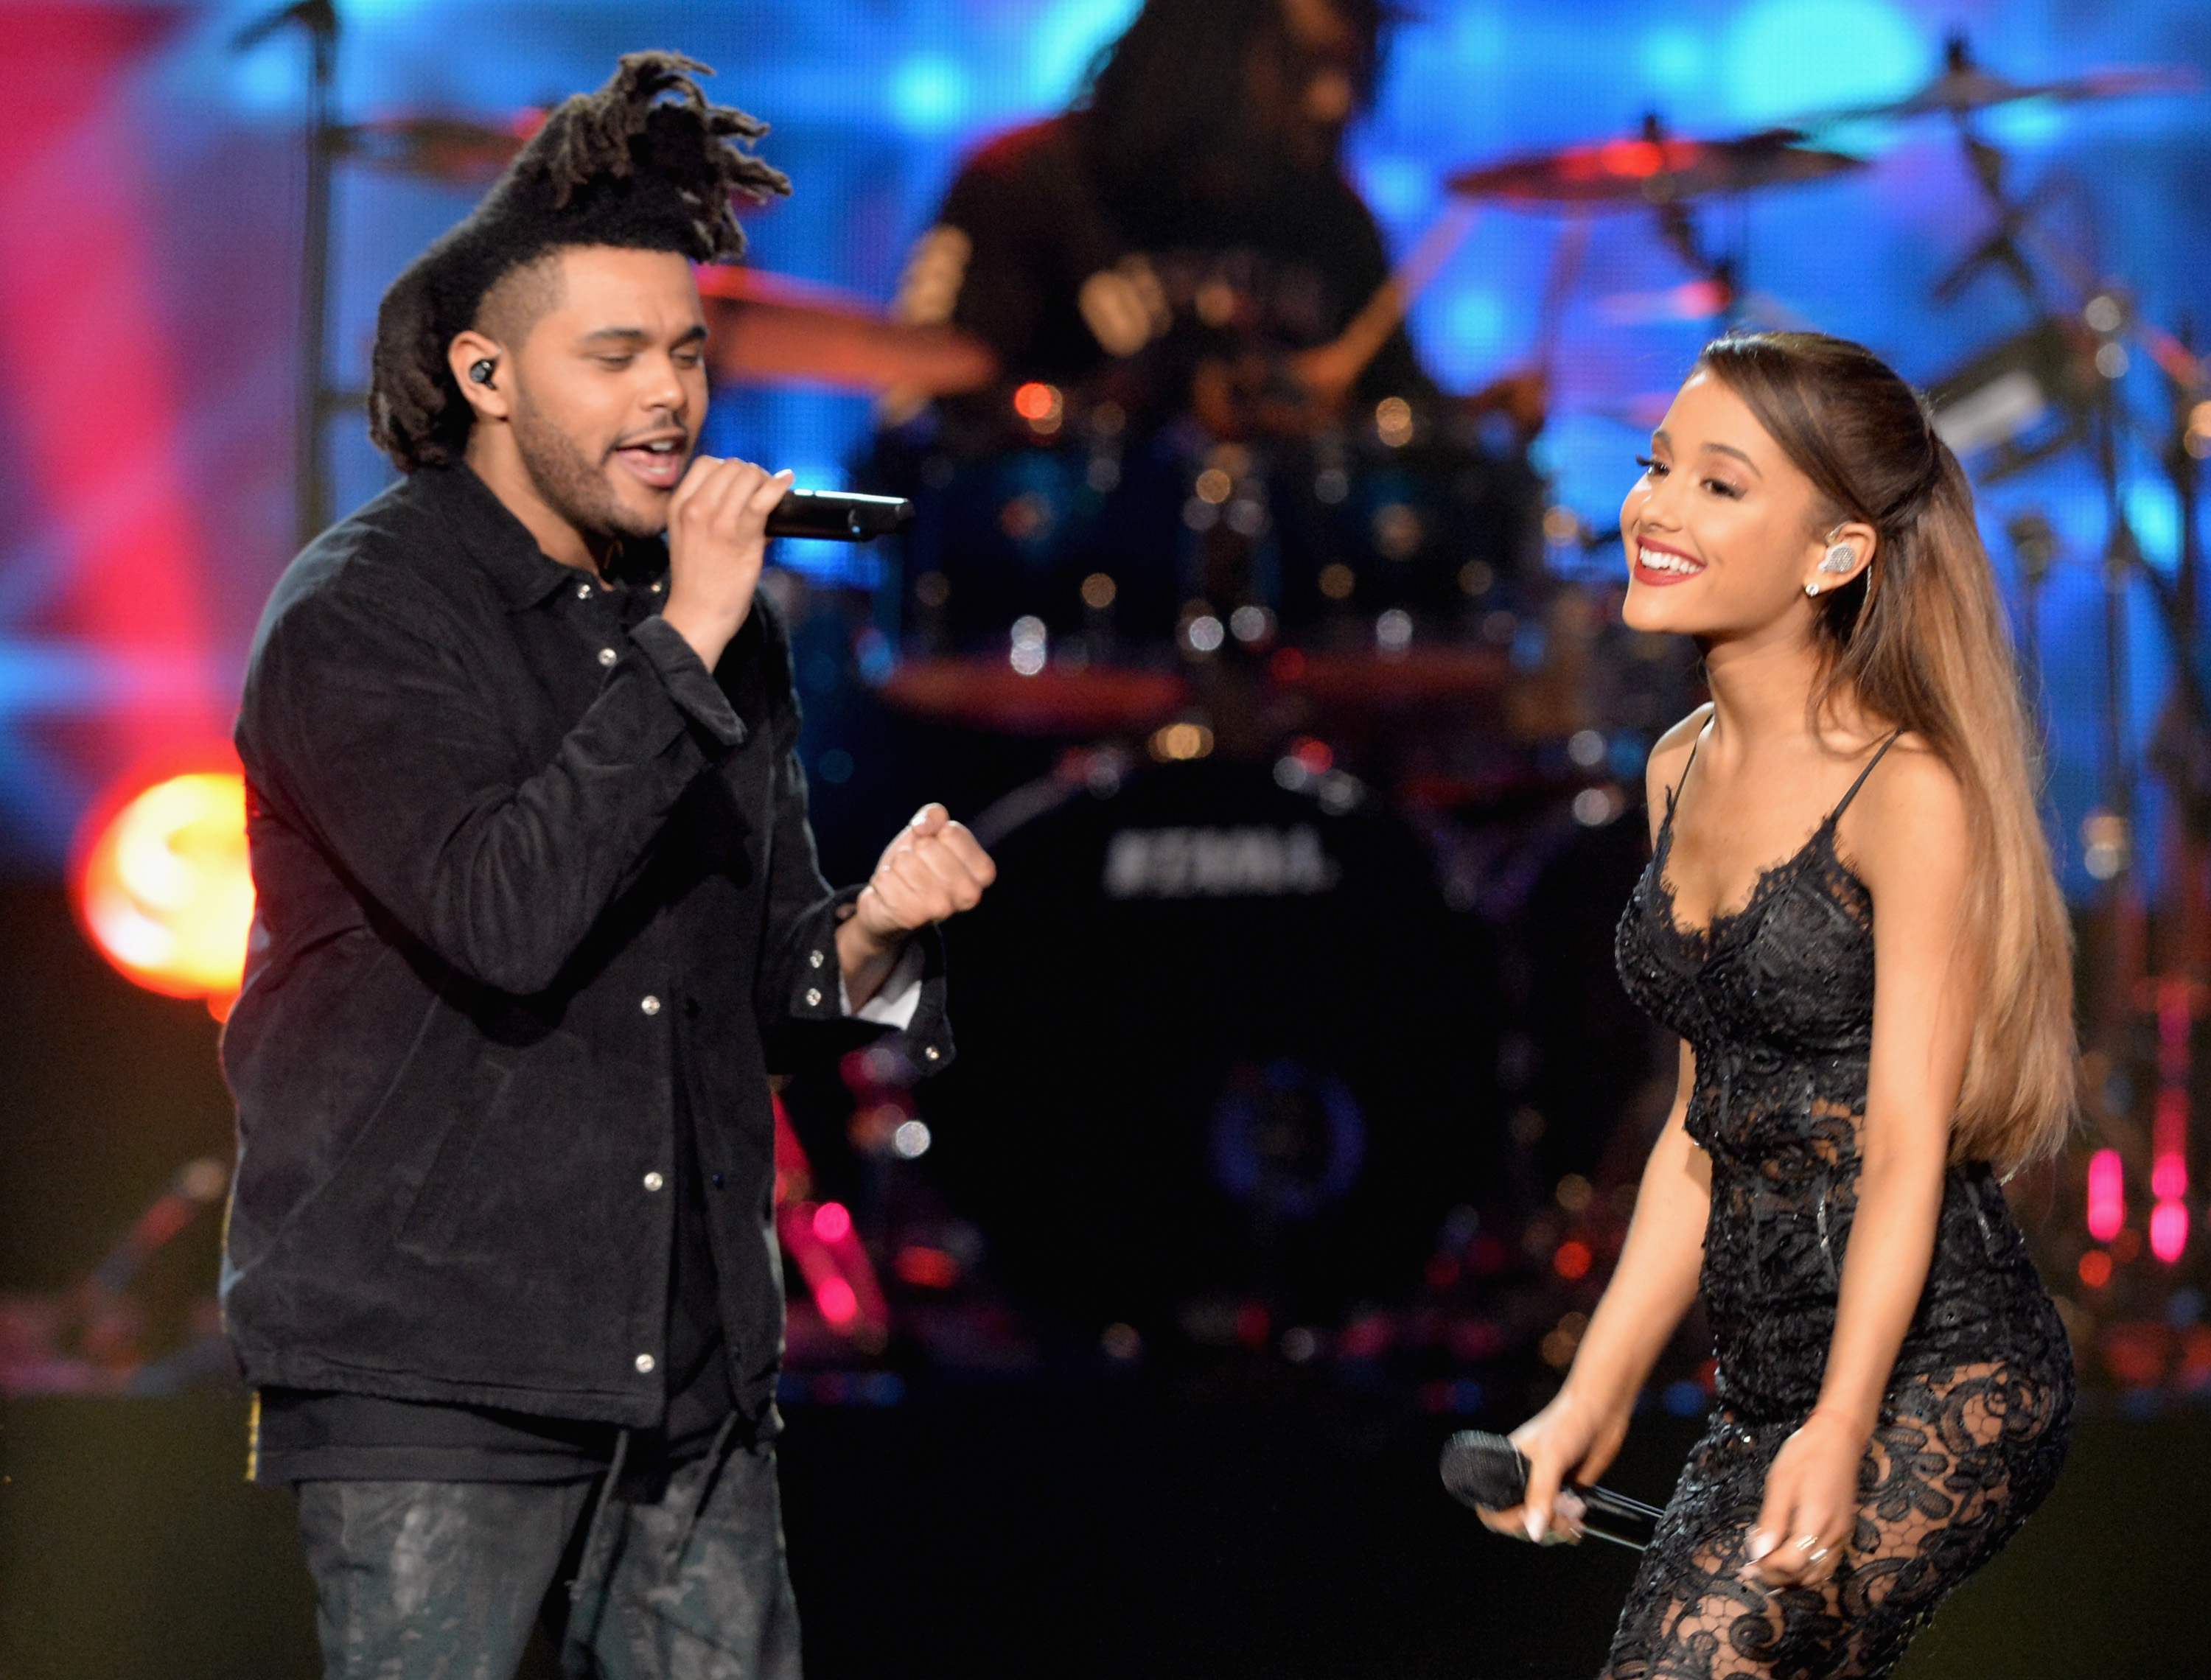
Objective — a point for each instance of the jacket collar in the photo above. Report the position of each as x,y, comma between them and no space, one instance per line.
525,574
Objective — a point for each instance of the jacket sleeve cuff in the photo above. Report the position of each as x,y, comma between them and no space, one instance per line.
687,679
818,995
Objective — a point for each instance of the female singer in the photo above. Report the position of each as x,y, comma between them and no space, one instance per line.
1895,1389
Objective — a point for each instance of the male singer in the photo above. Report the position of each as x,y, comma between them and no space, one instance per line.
537,910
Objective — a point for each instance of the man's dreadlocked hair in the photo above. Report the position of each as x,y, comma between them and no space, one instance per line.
624,167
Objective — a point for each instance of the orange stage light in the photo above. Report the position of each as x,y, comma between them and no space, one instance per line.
162,888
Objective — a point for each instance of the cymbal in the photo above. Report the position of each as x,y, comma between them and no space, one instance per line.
1965,87
1417,678
987,693
452,150
1652,168
770,329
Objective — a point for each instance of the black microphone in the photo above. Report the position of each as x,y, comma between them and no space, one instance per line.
833,516
1486,1470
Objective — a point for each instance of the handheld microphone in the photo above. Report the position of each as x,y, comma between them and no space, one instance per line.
833,515
1489,1471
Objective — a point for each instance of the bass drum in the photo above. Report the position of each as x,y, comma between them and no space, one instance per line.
1226,1059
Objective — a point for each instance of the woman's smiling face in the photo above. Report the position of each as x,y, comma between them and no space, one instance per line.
1722,530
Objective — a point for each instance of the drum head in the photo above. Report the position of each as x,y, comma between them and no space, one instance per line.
1220,1044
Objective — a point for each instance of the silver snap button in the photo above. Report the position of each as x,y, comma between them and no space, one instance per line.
931,1053
813,996
583,591
655,589
645,1362
653,1181
814,959
649,1005
607,656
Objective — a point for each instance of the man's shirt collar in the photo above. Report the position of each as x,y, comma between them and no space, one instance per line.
502,545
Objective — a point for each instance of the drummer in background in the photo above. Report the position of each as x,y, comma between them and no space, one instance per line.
1184,235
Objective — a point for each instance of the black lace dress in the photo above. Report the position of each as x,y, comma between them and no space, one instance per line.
1776,1001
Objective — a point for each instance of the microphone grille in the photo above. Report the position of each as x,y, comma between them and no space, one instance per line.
1483,1469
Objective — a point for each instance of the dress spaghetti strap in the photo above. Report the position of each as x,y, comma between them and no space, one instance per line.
1836,815
1673,793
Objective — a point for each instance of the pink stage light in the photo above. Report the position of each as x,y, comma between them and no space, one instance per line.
832,1223
2107,1194
2168,1230
838,1301
2168,1178
117,492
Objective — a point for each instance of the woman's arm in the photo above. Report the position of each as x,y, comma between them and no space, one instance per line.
1576,1435
1915,858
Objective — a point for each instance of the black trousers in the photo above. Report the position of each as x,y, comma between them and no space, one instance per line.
681,1577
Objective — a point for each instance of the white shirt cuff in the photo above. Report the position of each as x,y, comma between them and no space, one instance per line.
896,1000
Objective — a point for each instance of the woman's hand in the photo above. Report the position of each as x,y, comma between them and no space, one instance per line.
1811,1504
1568,1440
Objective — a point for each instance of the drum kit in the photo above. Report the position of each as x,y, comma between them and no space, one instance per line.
1218,619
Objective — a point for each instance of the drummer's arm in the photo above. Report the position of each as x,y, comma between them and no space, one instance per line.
991,263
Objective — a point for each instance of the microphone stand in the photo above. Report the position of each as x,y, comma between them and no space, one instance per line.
318,19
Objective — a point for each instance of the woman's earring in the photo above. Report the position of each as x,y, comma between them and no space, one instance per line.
1840,557
1811,588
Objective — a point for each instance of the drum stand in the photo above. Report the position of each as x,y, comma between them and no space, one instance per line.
2126,996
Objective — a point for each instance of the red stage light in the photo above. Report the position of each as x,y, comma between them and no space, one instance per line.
1038,404
927,1268
162,886
2095,1268
1572,1260
1252,1325
1637,160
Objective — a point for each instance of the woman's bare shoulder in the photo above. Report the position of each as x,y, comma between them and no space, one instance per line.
1911,816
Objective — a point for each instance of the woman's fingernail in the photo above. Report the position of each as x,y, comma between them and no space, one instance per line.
1538,1522
1760,1543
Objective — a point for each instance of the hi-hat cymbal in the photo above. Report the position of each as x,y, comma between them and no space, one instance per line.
452,150
1652,168
770,329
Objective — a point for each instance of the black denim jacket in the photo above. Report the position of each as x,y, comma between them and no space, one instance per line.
519,859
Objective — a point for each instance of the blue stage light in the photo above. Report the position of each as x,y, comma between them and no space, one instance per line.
1475,325
929,93
1066,39
2154,513
1401,188
1783,58
1675,60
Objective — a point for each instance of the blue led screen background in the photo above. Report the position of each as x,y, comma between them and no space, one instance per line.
152,184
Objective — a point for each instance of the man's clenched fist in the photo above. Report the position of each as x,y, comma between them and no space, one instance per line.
935,868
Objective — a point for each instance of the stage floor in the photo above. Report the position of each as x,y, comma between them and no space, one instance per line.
1244,1523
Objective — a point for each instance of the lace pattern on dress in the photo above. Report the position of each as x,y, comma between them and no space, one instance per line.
1776,998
